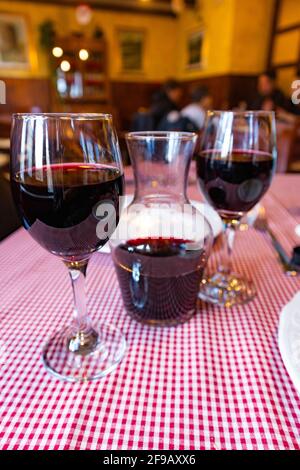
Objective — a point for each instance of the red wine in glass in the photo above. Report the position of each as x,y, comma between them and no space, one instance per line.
67,179
58,205
235,168
236,183
159,278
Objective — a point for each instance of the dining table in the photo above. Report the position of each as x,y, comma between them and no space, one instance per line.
216,382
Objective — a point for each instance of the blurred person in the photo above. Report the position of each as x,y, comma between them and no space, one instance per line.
241,106
196,110
175,121
269,97
142,121
166,100
287,117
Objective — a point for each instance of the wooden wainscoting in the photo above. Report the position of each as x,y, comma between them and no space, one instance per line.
128,97
24,94
227,90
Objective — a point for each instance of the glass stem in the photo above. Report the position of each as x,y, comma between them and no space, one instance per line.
83,337
228,241
77,272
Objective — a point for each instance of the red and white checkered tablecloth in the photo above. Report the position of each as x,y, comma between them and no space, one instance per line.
216,382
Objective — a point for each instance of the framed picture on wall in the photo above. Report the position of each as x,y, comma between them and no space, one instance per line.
132,49
194,49
14,41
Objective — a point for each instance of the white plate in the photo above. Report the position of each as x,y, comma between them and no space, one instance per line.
211,215
289,339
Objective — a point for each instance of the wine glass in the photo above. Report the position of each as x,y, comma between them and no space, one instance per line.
235,167
67,179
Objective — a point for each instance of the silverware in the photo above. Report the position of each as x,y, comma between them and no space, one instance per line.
261,224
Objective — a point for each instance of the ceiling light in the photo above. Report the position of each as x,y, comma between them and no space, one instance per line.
83,54
65,66
57,51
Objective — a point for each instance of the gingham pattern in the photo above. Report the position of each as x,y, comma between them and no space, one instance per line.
216,382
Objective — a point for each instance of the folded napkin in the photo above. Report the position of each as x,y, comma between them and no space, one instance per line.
289,339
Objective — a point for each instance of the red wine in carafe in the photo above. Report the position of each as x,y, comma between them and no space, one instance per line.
159,278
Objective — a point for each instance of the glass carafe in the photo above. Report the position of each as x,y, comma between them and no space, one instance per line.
162,243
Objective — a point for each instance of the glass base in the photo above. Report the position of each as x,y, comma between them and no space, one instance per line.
153,322
226,289
65,362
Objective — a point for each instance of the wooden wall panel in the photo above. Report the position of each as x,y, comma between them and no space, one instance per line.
127,97
227,90
24,93
242,88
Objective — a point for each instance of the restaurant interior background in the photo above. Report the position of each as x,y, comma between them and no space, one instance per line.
213,333
129,48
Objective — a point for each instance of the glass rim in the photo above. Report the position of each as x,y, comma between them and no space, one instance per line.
249,112
79,116
160,135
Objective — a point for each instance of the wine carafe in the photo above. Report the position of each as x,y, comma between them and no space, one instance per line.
162,243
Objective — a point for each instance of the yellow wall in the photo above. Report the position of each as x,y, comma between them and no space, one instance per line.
251,35
285,78
215,19
236,36
160,60
289,13
286,46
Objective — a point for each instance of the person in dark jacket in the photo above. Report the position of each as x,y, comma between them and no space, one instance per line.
164,101
271,98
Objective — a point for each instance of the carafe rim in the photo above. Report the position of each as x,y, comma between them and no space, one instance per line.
161,135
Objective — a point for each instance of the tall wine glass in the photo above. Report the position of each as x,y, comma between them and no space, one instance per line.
66,178
235,167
